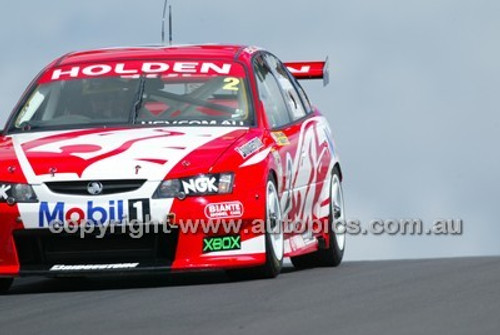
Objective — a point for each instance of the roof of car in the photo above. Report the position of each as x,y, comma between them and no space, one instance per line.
218,51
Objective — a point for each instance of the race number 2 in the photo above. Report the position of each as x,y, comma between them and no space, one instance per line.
231,84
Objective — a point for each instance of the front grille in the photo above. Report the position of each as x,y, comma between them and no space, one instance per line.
39,249
109,186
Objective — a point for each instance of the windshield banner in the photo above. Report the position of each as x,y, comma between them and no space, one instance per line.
151,68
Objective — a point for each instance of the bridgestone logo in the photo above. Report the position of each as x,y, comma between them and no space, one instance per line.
83,267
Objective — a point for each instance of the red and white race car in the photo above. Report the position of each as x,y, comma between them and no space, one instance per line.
165,159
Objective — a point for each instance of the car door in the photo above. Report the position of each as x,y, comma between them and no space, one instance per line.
281,129
305,152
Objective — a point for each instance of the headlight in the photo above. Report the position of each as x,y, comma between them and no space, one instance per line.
13,193
205,184
168,189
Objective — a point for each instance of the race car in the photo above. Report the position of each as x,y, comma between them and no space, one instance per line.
175,158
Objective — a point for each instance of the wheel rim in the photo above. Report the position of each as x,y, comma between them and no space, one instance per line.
274,218
337,202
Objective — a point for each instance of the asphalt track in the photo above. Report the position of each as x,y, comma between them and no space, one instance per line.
443,296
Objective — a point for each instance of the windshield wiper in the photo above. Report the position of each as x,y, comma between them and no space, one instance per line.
138,99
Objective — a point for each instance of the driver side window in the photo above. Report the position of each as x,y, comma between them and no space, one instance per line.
291,95
270,94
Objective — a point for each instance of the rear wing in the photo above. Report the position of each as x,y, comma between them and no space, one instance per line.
310,70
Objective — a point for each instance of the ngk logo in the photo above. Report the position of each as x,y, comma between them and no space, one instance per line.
200,185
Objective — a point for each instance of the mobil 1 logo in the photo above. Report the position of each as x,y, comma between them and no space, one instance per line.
139,210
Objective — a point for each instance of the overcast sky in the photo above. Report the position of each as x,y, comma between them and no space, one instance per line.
413,101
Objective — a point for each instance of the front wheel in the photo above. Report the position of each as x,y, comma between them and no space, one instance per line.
331,256
273,237
274,233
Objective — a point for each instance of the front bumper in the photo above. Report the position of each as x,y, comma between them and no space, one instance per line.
28,248
41,252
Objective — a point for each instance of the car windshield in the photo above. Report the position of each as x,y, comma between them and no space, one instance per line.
67,99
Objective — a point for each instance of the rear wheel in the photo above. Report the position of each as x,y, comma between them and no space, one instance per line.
5,284
274,240
331,256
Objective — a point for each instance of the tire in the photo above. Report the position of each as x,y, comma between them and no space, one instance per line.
331,256
5,284
274,240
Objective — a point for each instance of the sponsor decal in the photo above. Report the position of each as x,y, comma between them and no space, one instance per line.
139,209
112,211
250,147
137,68
3,191
87,267
224,210
221,243
280,138
200,185
12,193
232,123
